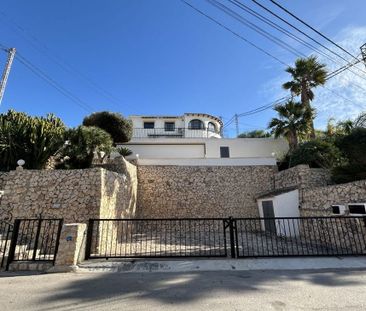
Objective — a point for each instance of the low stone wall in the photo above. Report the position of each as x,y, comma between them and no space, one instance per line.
201,191
74,195
302,176
317,201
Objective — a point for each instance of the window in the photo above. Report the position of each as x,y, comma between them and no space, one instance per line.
195,124
224,152
149,125
169,126
336,209
211,127
356,208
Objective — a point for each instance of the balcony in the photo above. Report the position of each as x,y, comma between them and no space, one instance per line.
174,133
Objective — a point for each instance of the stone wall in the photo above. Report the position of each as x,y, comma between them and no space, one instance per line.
3,176
302,176
201,191
74,195
317,201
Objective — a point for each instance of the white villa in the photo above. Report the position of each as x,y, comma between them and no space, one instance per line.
196,139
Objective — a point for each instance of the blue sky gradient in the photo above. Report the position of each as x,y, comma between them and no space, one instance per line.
158,57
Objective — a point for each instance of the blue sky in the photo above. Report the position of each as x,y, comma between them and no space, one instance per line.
162,57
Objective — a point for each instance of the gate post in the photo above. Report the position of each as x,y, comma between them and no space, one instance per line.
13,243
232,227
89,236
39,225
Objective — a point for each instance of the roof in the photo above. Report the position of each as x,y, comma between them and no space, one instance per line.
276,192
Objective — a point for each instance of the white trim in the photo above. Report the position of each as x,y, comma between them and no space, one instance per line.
210,162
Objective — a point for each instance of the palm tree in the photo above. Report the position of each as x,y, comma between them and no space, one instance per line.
307,74
293,122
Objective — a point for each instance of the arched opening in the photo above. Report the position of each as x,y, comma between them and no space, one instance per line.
211,127
196,125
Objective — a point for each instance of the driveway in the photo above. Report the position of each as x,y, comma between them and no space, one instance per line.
208,291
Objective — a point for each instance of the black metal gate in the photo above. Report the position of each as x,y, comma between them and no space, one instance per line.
6,230
223,237
34,240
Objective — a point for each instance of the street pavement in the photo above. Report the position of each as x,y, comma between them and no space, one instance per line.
210,291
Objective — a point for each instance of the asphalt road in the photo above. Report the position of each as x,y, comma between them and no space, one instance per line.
209,291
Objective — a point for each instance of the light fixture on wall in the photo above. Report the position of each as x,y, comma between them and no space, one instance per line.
273,154
20,163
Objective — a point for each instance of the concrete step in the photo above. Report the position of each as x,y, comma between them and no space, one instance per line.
180,265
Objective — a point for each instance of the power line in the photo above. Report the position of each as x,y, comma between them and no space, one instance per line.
41,74
291,35
255,28
262,108
42,48
234,33
278,27
302,32
312,28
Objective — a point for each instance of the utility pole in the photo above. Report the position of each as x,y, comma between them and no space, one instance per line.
363,53
236,124
4,78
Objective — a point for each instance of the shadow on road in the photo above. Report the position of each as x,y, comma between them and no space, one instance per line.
180,288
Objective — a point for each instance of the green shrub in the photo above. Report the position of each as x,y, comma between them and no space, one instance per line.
353,146
123,151
348,173
115,124
316,153
83,143
255,134
33,139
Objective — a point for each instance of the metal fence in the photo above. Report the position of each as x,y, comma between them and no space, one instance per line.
6,230
133,238
34,240
173,132
302,236
223,237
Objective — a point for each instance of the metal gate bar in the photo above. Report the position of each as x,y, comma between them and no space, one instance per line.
300,236
214,237
34,240
141,238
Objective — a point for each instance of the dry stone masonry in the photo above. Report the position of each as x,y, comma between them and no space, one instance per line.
74,195
318,201
201,191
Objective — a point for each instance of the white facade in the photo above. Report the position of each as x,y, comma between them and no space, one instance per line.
178,140
284,205
190,125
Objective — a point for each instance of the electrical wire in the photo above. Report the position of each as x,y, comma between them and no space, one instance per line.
42,75
312,28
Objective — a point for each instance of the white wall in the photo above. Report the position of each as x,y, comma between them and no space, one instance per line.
209,162
167,151
284,205
187,148
247,147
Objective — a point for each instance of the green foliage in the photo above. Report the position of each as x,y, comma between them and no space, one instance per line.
255,134
33,139
316,153
293,122
348,173
307,74
123,151
83,143
353,146
115,124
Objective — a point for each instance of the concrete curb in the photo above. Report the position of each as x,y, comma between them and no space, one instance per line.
299,263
